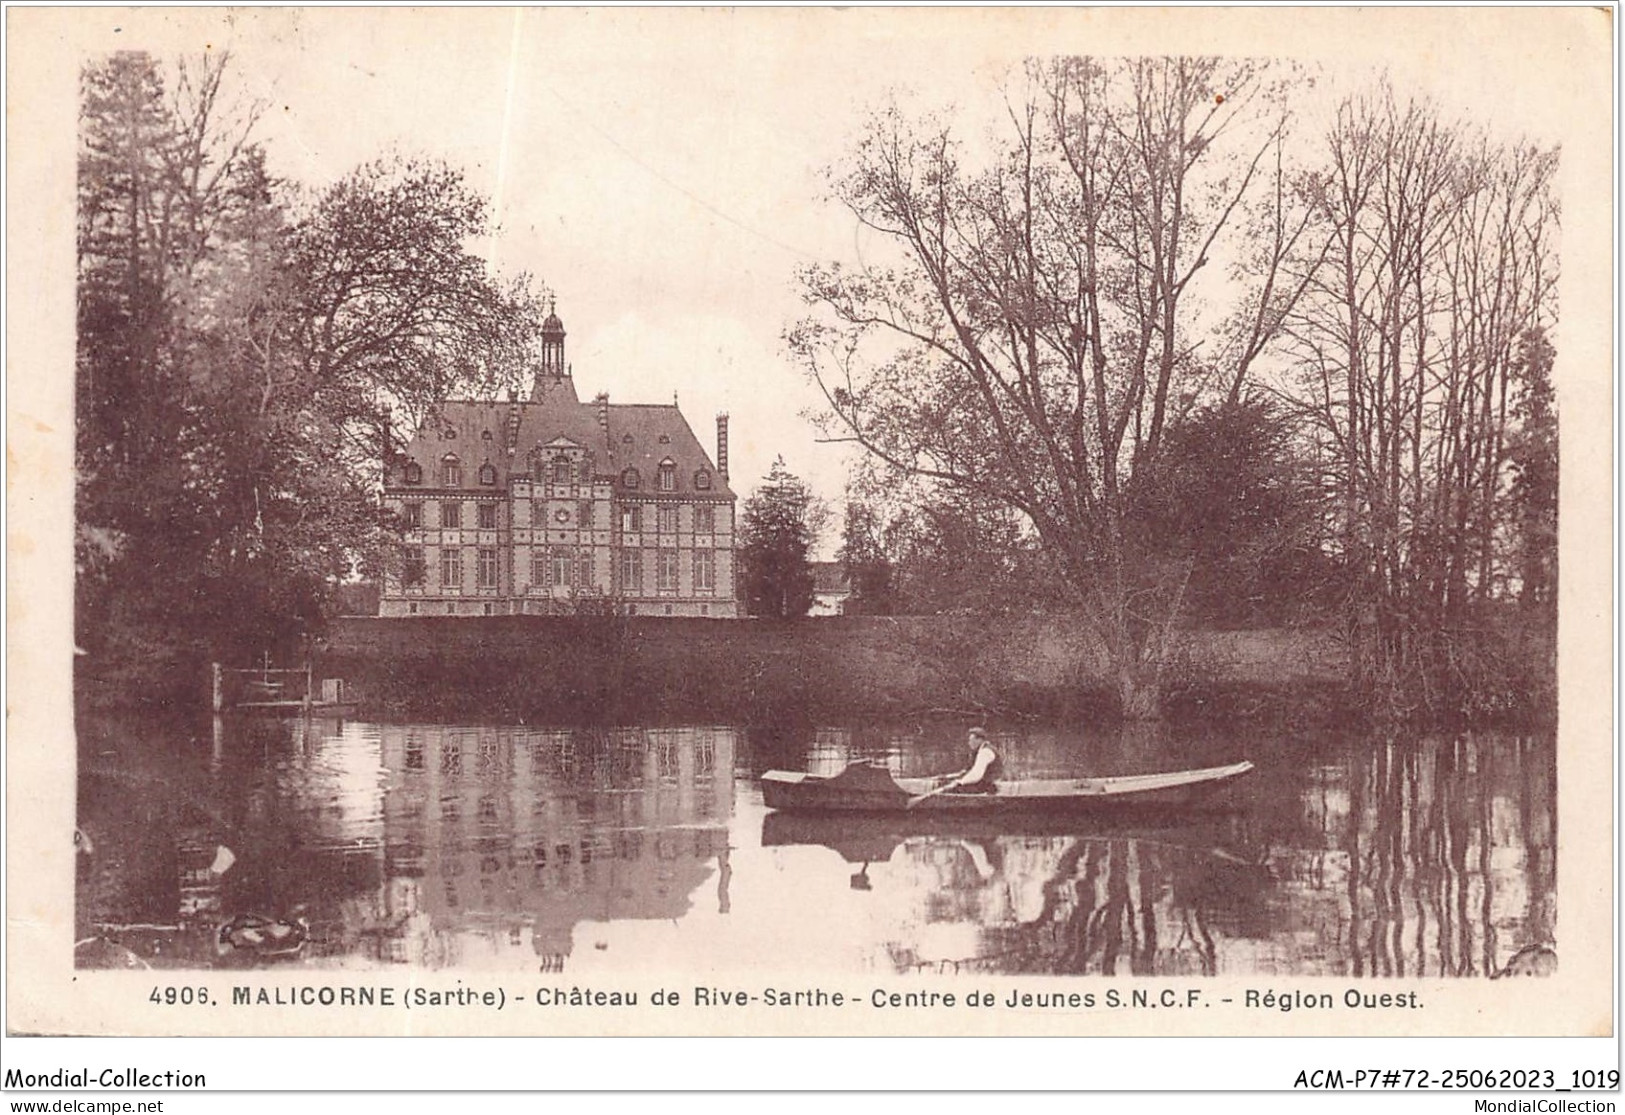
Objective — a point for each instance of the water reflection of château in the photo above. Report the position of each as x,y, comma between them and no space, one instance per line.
499,842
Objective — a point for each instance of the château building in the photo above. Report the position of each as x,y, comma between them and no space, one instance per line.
556,506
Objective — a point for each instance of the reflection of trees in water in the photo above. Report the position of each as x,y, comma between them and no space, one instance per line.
1397,858
1109,906
1126,906
1435,858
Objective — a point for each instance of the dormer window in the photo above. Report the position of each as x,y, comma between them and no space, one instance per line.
702,480
451,472
488,474
668,476
630,479
413,473
561,470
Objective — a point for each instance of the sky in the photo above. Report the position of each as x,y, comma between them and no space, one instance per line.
662,171
665,187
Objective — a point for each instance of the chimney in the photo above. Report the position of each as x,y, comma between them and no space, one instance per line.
601,401
722,445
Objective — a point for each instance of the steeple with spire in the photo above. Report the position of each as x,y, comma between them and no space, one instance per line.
553,372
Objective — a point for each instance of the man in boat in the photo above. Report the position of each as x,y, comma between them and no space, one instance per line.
984,770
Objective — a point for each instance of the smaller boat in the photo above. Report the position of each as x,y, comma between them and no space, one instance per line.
867,788
260,936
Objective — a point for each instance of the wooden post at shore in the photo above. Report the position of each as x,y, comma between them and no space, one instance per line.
219,687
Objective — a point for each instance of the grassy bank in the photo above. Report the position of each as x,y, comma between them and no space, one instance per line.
552,668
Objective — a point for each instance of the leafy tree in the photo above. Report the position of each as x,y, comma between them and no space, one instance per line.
1533,453
390,311
863,557
1229,505
957,554
774,543
161,192
239,359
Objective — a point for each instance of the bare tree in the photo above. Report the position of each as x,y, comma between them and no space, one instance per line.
1441,260
1036,329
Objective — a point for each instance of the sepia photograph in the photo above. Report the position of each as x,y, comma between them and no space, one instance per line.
745,521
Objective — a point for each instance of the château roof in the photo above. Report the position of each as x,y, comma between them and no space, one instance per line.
504,434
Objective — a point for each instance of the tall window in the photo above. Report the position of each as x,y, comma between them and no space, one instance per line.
412,515
451,569
584,514
487,513
632,518
488,567
668,478
705,519
584,567
632,572
451,473
414,570
451,514
667,520
667,572
705,572
559,568
538,568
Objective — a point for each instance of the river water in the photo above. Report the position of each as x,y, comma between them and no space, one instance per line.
594,851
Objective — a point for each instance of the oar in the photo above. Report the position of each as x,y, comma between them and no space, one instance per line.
912,802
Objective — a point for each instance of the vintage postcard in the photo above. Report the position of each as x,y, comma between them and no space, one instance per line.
810,521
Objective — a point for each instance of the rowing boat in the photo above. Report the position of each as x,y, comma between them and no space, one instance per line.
867,788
